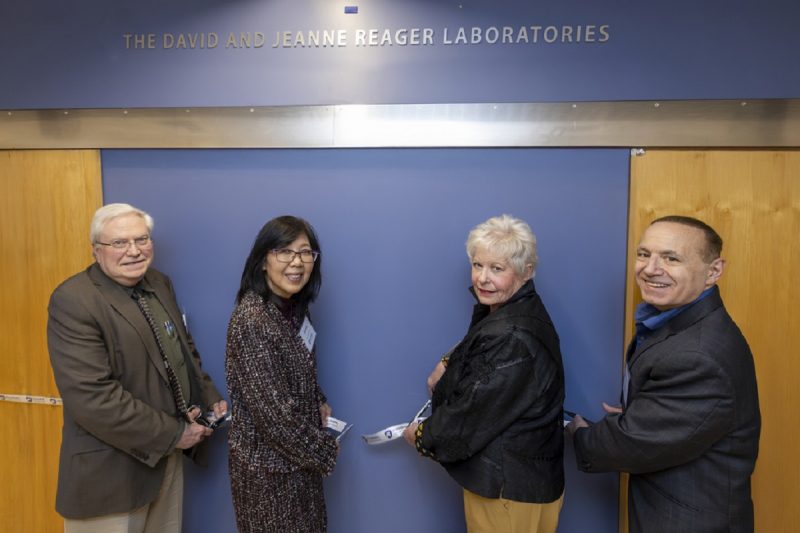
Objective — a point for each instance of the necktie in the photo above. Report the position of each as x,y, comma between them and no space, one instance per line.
180,402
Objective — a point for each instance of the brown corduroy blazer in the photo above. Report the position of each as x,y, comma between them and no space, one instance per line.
120,419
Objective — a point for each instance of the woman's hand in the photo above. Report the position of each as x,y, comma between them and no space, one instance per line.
220,409
324,412
410,434
436,375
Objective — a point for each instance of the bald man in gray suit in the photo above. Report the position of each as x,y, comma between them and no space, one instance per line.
688,429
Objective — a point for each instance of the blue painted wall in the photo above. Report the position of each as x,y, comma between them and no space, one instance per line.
392,225
64,54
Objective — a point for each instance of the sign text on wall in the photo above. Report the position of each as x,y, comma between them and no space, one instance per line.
372,37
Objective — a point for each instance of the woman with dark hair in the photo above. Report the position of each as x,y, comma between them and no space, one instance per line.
279,449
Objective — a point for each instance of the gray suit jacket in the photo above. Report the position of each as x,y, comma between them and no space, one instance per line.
120,419
689,433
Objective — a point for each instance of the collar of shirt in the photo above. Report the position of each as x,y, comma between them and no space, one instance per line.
143,285
288,307
649,319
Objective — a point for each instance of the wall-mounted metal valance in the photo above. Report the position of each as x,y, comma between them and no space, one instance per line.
685,123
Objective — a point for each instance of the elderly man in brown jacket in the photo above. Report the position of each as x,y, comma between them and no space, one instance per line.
130,376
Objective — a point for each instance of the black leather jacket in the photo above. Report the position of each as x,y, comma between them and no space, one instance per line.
497,415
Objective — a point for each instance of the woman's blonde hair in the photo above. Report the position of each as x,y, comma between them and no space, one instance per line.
508,237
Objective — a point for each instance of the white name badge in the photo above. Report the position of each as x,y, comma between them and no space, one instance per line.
307,334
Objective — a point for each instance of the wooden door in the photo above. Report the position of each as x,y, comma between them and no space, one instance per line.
752,198
47,199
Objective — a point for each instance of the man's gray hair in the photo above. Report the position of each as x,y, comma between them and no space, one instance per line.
111,211
507,237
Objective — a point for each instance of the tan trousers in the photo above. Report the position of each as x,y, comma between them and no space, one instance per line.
162,515
498,515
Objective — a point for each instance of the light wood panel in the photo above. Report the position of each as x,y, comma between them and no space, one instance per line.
47,199
752,199
31,438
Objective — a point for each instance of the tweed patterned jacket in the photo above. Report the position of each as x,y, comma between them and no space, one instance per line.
275,397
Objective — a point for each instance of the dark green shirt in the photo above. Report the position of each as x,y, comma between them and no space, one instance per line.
169,339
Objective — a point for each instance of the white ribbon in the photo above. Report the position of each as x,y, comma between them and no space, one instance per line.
338,427
385,435
394,432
